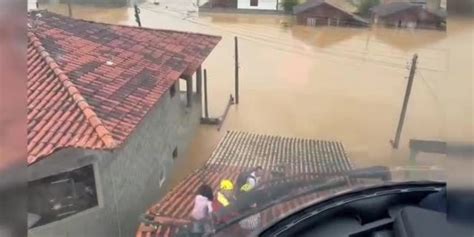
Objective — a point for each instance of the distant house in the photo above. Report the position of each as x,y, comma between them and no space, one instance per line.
243,5
231,4
326,12
106,120
405,14
258,4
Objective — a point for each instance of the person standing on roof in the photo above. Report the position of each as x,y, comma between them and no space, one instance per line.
202,209
247,181
225,197
225,193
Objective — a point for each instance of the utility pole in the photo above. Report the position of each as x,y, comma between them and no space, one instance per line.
69,8
199,81
401,120
37,5
206,112
137,15
236,43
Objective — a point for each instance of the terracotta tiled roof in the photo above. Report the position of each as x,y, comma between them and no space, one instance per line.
305,159
90,84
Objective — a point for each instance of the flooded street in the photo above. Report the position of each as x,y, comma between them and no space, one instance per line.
344,84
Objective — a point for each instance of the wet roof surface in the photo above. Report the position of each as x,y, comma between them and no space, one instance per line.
90,84
340,5
393,7
240,151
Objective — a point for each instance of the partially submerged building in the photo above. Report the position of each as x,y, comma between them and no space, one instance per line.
257,6
408,15
106,120
326,12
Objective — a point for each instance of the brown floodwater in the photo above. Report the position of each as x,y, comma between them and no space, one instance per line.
344,84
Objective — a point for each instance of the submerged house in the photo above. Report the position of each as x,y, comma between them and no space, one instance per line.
243,5
258,4
406,14
106,120
326,12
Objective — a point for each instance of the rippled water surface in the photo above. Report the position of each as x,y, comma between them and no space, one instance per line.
330,83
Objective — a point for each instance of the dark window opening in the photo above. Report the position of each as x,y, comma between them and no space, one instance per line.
173,90
254,3
59,196
175,153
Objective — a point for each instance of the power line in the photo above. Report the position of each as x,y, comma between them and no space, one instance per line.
265,42
430,89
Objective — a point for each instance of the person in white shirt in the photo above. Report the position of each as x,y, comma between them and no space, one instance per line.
202,210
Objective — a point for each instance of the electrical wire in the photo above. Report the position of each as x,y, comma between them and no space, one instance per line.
281,46
430,89
176,10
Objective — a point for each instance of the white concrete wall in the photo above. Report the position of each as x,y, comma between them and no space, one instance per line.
262,4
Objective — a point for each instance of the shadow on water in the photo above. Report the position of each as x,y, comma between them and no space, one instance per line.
323,37
408,40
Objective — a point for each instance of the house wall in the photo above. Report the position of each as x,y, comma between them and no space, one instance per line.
221,3
322,13
262,4
419,18
129,179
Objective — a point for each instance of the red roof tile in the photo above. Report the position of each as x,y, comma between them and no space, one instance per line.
90,84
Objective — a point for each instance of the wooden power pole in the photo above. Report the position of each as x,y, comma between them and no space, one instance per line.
236,43
137,15
69,8
401,120
206,111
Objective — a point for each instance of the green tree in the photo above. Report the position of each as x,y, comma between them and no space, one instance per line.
288,5
364,7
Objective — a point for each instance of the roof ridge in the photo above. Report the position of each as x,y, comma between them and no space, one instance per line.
103,133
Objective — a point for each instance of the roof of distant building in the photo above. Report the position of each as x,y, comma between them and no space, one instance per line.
438,12
395,7
340,5
392,7
90,84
